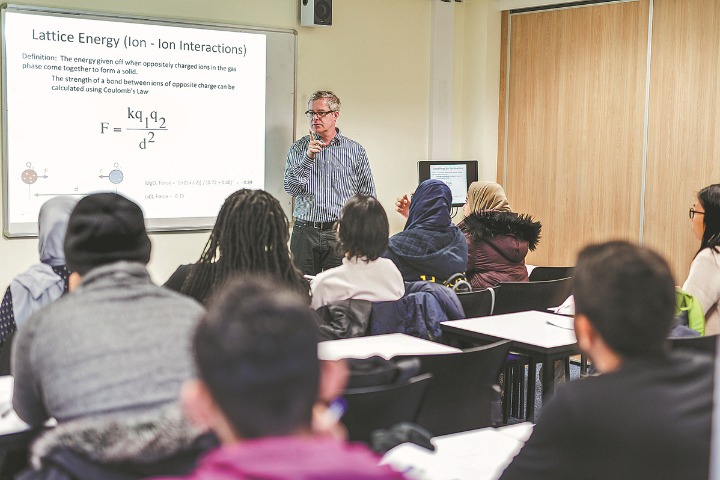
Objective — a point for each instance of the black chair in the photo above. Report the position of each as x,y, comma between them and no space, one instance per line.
512,297
706,344
540,274
479,303
375,371
461,392
371,408
6,354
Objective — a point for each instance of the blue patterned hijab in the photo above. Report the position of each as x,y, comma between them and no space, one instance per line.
430,207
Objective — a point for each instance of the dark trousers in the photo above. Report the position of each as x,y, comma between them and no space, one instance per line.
313,250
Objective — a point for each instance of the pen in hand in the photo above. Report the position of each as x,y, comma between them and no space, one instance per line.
336,410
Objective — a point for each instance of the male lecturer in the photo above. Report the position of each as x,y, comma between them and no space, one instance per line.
323,170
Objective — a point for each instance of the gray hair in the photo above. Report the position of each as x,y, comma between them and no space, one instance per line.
333,100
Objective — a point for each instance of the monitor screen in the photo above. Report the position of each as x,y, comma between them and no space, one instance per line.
457,174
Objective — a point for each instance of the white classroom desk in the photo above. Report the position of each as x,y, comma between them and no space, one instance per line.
386,346
533,329
14,433
475,455
544,337
9,421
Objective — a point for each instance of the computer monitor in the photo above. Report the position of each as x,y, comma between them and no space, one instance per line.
457,174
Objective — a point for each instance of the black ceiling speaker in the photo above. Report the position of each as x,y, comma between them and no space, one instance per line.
315,13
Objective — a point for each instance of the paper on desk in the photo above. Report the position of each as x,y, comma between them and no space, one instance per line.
562,322
520,431
418,463
9,420
567,307
477,455
11,423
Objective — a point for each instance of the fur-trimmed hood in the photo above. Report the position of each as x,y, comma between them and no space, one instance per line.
491,223
142,438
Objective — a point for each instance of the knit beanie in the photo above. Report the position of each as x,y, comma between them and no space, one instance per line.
105,228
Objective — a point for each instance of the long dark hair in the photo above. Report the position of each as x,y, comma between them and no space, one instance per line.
709,198
250,236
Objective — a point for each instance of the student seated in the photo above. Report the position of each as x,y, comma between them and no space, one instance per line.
250,237
114,350
703,281
46,281
649,413
430,247
362,233
498,239
258,381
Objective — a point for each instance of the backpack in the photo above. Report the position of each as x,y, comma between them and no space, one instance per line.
689,312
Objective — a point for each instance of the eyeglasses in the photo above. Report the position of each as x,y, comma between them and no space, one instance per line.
311,114
693,212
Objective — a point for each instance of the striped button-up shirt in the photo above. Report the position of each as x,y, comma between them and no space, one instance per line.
322,185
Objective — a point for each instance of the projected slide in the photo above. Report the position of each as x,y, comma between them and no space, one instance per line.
170,116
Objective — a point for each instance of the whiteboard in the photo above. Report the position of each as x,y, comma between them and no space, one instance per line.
174,115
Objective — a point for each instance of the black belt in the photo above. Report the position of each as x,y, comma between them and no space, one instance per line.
316,225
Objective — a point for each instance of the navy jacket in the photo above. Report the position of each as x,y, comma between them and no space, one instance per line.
419,313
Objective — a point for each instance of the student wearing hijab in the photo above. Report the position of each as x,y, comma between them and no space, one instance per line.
430,247
46,281
498,239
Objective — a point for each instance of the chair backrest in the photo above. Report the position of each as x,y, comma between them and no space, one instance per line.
461,391
6,354
511,297
540,274
375,371
706,344
371,408
479,303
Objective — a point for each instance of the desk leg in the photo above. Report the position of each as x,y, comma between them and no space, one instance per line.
530,394
583,365
548,378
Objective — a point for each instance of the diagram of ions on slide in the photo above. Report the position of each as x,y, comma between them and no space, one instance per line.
151,123
30,176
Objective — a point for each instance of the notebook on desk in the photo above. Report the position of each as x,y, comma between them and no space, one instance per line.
480,454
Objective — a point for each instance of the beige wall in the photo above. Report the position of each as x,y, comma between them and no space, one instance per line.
478,100
683,126
581,112
576,123
377,58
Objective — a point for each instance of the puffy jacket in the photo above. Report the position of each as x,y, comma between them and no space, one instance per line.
497,245
419,313
432,255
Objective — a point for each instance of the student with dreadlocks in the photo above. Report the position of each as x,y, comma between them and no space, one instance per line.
250,237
